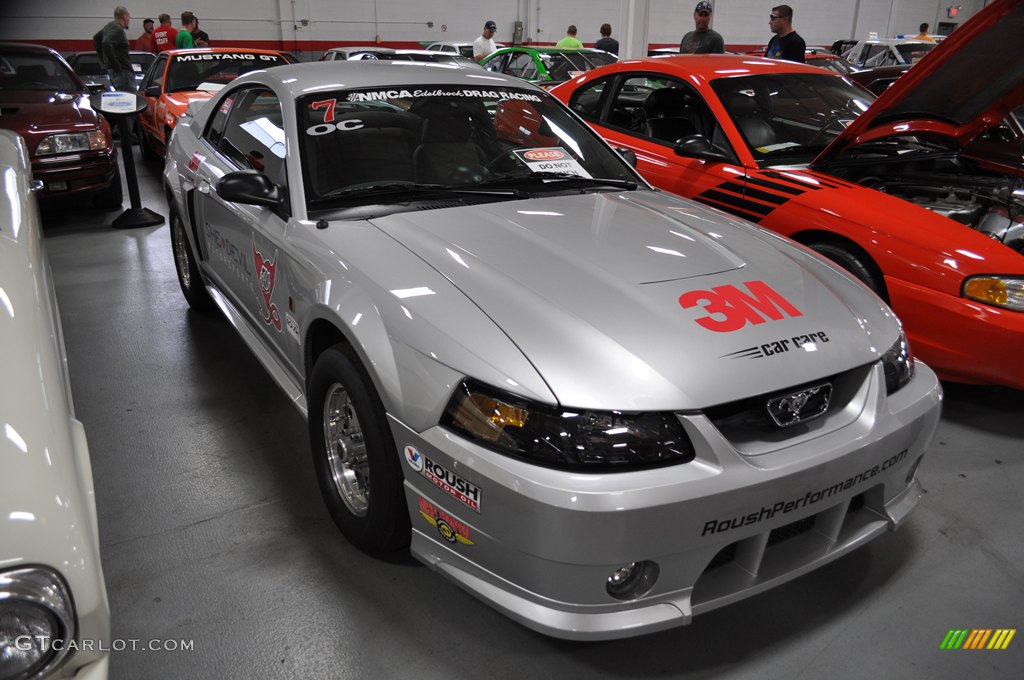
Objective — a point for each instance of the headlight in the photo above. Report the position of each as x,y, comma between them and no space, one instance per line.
574,440
898,363
94,140
1001,291
35,610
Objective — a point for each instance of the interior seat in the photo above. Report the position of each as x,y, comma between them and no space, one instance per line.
667,115
447,152
757,131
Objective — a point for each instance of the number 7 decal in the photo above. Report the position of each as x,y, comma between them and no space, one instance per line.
329,105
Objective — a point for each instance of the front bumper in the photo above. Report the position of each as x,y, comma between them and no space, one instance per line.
72,174
541,543
963,340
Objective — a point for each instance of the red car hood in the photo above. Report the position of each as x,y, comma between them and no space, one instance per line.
33,114
968,83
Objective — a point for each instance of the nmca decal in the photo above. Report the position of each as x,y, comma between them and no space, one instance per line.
978,638
729,308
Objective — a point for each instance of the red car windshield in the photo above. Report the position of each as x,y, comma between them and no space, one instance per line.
28,71
790,117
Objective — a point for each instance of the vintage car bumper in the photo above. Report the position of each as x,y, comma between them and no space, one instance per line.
71,174
741,518
963,340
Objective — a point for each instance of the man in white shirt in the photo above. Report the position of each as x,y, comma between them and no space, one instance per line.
484,45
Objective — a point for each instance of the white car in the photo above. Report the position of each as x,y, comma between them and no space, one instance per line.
454,47
54,617
887,52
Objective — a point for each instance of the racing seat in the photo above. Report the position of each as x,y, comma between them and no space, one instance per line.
446,152
666,115
756,130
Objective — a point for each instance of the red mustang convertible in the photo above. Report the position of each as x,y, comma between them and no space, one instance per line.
892,190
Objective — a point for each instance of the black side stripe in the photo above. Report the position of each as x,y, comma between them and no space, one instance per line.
766,197
738,202
784,188
729,209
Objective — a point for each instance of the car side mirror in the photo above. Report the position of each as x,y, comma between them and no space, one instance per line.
698,146
249,187
152,91
627,155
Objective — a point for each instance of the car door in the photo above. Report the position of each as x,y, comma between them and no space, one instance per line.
148,117
521,65
245,244
619,108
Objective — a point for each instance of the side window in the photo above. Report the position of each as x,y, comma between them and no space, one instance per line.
215,126
521,65
253,136
497,65
665,110
155,73
586,101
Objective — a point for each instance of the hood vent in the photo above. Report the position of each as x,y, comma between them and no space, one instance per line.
440,205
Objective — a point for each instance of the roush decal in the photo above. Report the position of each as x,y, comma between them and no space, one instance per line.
452,484
266,276
718,526
451,529
808,342
730,308
293,327
978,638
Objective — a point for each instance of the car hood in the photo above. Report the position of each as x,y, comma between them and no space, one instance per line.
591,288
945,96
181,100
26,112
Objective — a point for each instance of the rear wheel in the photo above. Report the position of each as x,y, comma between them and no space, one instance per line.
188,271
856,261
354,455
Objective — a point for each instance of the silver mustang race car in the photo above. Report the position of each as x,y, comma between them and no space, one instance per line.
599,408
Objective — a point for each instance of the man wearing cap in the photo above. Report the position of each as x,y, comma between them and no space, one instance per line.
702,40
484,45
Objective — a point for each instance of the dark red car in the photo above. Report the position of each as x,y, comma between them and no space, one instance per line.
70,143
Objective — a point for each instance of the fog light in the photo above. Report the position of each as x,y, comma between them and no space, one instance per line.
632,580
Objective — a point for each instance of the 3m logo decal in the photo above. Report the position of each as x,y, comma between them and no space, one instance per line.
729,308
978,638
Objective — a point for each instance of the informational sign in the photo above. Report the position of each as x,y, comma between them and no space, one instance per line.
550,160
117,103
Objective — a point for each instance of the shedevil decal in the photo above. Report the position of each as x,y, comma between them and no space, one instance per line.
266,274
730,309
462,490
773,348
451,529
718,526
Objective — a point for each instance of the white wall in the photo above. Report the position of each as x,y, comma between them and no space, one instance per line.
741,22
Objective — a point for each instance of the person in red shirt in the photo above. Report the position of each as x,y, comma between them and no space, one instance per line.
144,43
164,37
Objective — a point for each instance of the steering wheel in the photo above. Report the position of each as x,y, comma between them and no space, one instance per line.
833,118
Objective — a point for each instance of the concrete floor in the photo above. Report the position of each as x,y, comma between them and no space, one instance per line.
213,531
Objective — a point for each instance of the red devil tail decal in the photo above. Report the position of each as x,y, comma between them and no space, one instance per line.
266,273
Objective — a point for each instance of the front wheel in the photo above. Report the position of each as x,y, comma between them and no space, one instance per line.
354,455
188,271
855,261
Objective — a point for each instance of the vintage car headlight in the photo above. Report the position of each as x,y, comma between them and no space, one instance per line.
35,609
1001,291
898,363
569,439
94,140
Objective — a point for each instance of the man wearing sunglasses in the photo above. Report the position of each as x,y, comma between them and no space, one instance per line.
786,43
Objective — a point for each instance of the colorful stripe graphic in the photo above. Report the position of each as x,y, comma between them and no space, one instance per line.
978,638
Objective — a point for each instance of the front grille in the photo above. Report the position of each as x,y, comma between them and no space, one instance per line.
790,530
747,425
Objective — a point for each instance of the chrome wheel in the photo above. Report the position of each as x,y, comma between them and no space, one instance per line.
346,450
181,254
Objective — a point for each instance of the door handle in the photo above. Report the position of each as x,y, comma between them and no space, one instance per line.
204,187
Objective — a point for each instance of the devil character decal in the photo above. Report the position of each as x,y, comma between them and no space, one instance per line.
266,273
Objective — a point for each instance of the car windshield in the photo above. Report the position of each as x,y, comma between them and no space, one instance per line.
912,52
831,63
566,65
213,70
88,63
790,117
357,144
26,71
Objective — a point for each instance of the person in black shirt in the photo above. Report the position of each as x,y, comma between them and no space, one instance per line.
607,42
786,43
702,40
